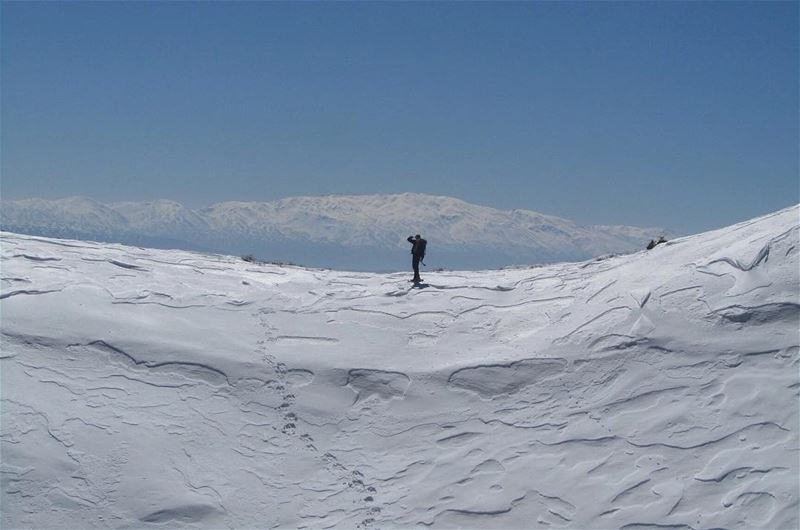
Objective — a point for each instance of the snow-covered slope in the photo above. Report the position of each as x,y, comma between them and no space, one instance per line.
384,220
73,213
365,232
163,218
145,388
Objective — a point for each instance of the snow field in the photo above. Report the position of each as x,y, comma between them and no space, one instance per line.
150,388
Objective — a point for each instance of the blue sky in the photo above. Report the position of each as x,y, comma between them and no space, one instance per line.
675,114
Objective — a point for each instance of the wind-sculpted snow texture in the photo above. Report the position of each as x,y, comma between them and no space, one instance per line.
145,388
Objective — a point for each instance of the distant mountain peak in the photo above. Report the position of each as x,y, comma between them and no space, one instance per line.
352,231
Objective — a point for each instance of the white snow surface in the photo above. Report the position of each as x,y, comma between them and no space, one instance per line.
151,388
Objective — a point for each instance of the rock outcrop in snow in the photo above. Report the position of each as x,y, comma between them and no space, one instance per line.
146,388
351,232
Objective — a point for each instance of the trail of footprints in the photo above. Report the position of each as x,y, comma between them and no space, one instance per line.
350,478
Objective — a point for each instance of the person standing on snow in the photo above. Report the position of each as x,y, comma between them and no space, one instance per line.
417,253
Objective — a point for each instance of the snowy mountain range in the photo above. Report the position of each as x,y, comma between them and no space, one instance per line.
150,388
349,232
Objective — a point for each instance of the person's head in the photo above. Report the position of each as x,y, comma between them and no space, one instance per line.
417,236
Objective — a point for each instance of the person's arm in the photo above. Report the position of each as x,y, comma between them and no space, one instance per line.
410,239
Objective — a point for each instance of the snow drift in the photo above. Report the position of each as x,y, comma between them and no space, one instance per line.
164,388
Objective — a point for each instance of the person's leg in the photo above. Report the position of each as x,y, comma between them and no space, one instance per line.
415,266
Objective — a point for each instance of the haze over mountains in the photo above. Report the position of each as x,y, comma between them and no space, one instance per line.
364,232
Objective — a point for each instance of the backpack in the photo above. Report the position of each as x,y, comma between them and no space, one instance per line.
420,248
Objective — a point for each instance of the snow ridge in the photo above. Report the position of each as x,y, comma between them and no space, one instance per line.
150,388
364,231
